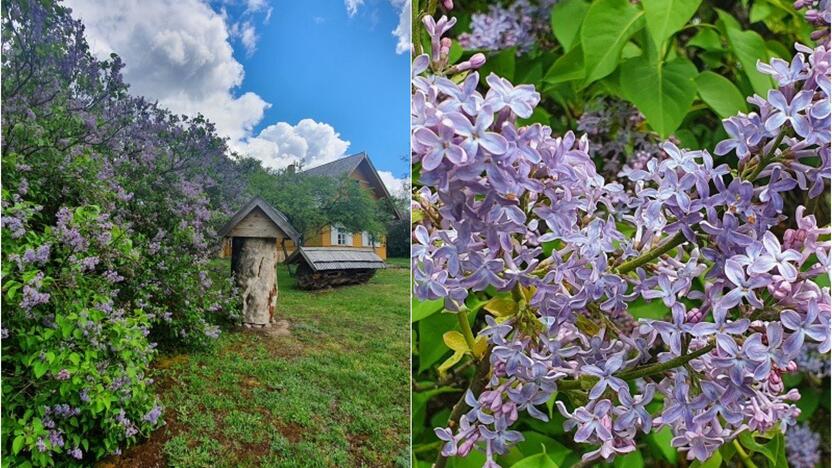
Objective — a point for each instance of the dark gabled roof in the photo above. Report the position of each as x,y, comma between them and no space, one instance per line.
278,218
336,258
339,167
346,166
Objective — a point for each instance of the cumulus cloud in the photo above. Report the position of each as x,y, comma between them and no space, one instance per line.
394,184
309,143
179,54
402,31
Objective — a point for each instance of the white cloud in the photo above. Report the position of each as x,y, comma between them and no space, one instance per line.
179,54
394,185
309,143
402,31
352,6
257,5
247,35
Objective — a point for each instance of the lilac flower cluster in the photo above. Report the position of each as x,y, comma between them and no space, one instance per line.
696,235
624,145
817,13
802,446
812,362
129,428
520,24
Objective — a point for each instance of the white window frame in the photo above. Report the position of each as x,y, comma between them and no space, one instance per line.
340,236
369,240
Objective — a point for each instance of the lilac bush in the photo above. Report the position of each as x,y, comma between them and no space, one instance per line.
109,207
521,217
520,24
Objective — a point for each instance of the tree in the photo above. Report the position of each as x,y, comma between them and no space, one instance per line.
312,202
398,230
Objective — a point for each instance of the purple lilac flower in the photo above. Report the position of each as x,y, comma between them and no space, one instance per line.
76,453
495,205
56,439
153,415
606,377
519,25
32,297
802,327
38,256
789,111
803,446
15,225
113,276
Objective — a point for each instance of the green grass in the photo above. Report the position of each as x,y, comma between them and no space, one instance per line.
334,393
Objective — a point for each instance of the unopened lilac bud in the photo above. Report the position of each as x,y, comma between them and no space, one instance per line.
792,395
694,315
448,4
780,289
476,61
510,410
445,48
775,387
791,367
465,447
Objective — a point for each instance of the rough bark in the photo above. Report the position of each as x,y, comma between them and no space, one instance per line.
254,264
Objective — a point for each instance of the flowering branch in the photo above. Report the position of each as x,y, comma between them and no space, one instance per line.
496,192
652,254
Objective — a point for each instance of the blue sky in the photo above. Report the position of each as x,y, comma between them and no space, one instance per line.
285,81
314,61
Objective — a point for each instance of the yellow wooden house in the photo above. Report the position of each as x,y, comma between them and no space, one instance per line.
360,168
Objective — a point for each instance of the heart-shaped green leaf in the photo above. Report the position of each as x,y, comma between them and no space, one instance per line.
720,94
608,25
666,17
663,92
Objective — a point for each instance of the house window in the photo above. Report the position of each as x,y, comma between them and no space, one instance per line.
341,236
369,240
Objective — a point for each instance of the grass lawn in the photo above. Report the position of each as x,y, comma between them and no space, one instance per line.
335,392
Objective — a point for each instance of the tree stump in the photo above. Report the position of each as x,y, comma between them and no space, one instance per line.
254,265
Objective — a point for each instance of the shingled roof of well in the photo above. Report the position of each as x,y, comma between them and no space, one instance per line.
335,258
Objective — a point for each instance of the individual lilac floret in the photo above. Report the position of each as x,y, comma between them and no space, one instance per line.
605,376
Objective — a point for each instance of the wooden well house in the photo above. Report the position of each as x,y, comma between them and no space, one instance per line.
321,267
254,232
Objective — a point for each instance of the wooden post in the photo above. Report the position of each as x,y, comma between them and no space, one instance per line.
254,264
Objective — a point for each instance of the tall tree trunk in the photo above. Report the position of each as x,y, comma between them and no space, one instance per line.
254,264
